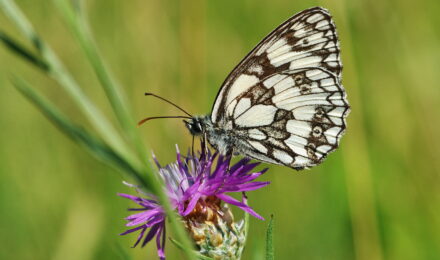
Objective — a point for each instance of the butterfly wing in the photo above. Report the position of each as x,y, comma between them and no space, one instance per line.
284,101
298,118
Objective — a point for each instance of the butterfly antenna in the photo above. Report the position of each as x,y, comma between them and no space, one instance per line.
169,102
159,117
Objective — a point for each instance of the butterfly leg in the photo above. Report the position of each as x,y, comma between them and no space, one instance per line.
204,145
229,153
192,146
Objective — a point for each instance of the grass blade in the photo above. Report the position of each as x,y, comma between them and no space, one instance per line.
22,51
92,144
269,241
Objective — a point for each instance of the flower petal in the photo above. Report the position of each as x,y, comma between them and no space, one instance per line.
245,187
139,237
232,201
192,204
132,230
161,244
153,232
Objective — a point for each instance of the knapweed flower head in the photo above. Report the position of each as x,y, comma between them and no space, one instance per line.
196,186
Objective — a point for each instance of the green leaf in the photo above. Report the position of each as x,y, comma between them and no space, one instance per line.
22,51
94,145
269,240
180,246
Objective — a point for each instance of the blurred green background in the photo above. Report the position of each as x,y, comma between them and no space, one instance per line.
377,197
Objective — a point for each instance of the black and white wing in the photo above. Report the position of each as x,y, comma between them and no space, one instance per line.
284,102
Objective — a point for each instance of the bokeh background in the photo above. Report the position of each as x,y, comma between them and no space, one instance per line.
377,197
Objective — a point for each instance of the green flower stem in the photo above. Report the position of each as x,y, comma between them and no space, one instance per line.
246,220
269,241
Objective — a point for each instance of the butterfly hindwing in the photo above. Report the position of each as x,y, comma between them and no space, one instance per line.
294,117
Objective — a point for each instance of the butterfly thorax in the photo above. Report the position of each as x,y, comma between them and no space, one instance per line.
220,138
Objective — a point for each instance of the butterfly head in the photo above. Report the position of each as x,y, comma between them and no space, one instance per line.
199,125
195,125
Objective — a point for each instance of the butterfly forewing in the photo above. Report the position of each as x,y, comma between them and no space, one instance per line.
308,39
284,101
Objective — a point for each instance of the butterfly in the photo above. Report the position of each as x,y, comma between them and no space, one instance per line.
284,102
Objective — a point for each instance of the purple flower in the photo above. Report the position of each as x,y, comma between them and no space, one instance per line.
195,188
151,216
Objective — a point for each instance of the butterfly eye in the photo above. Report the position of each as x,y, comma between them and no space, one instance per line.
199,127
194,126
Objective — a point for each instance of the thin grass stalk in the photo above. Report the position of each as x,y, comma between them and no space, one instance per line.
79,27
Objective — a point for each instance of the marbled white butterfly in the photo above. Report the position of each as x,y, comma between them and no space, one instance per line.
284,102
